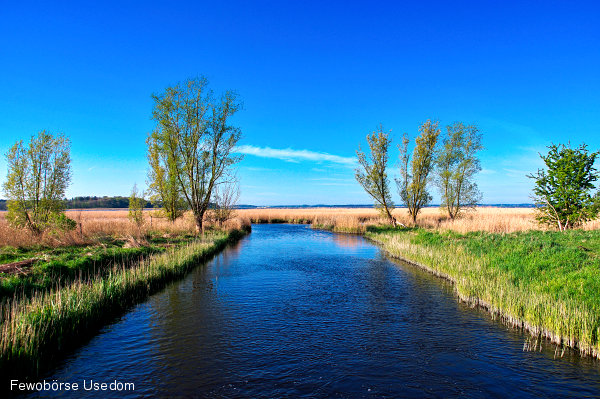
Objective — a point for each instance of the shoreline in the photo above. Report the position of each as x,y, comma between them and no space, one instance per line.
569,335
577,327
38,331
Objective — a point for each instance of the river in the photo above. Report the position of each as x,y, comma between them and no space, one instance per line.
294,312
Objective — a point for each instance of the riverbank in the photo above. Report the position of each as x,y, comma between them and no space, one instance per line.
547,283
357,220
38,328
24,271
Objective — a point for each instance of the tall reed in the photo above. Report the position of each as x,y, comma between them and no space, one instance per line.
356,220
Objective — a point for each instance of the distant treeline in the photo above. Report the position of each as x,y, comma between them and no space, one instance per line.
91,202
99,202
123,202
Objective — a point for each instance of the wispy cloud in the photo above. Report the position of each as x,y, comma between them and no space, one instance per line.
332,179
516,172
336,184
291,155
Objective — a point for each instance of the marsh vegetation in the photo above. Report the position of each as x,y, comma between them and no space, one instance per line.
40,326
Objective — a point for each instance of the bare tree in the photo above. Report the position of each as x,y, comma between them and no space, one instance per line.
225,199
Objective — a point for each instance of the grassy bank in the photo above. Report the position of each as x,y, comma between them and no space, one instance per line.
37,329
545,282
49,267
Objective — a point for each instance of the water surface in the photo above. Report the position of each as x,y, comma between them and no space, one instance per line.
293,312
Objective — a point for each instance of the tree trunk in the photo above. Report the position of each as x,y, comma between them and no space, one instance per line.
392,219
199,225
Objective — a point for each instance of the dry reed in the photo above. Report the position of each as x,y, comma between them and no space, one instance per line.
489,219
93,225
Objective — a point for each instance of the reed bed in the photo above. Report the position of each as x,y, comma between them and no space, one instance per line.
95,225
545,282
357,220
38,328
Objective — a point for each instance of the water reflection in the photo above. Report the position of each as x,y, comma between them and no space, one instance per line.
349,240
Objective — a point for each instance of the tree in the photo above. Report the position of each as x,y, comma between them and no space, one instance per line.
563,192
372,173
163,186
225,198
38,176
412,184
193,132
457,164
136,207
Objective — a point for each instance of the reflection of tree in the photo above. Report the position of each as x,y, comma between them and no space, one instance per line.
348,240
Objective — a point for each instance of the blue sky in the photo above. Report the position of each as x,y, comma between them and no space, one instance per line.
315,78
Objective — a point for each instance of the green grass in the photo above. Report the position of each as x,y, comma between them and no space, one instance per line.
60,266
37,329
546,282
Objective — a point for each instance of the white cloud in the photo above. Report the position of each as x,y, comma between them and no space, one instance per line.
291,155
332,179
516,172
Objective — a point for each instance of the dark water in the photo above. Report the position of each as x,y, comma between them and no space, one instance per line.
292,312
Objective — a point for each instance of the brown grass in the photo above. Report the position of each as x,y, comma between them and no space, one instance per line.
94,225
491,219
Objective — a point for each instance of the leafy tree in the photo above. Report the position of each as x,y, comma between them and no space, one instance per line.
164,186
136,207
457,164
372,173
412,184
194,135
38,176
563,192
